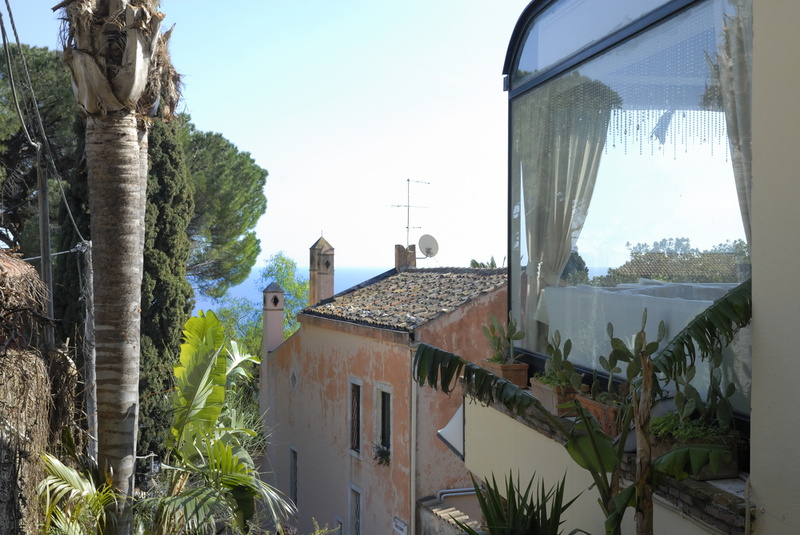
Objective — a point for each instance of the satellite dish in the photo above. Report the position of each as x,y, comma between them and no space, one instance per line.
428,246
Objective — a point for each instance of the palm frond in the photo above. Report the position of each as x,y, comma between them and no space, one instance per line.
241,481
235,362
440,369
190,510
73,503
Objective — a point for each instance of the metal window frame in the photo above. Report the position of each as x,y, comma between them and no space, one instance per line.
355,417
385,437
293,474
355,509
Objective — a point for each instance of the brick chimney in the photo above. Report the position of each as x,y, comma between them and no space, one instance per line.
405,258
320,283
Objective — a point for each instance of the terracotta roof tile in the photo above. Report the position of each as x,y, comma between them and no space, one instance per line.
409,299
698,267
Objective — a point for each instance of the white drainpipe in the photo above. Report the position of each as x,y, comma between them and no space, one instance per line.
413,490
444,493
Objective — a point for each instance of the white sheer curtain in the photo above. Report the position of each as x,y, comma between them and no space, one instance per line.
560,131
735,66
735,70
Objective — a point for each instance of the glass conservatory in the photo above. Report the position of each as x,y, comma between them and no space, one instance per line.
629,170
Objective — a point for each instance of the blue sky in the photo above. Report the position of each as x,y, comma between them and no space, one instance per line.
343,102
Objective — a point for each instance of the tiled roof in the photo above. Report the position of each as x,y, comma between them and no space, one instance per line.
409,299
699,267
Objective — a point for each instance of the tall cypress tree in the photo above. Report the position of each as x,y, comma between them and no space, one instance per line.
167,296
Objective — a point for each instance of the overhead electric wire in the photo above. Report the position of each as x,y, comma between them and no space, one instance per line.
75,249
7,54
34,109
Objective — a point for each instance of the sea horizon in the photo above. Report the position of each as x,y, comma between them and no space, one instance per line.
344,278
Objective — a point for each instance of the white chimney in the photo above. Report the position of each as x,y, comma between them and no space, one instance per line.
271,338
273,318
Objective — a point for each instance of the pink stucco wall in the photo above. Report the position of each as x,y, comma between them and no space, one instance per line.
312,416
459,332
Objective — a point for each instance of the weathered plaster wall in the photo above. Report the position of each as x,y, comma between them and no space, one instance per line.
459,332
313,418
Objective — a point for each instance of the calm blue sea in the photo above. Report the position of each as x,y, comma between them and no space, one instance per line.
251,288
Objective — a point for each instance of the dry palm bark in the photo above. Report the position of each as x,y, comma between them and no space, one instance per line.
25,409
121,74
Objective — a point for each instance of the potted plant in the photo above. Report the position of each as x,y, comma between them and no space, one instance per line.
604,401
381,454
696,421
605,404
692,447
560,382
503,361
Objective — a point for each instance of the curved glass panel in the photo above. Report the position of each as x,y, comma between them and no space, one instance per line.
630,185
569,26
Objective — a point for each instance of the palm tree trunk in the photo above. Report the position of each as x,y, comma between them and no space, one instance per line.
120,70
117,195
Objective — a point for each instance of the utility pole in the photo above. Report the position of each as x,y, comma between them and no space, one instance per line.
44,247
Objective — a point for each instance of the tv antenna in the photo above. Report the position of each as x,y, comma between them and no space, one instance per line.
408,207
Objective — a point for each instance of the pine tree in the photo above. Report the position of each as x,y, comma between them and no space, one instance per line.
228,189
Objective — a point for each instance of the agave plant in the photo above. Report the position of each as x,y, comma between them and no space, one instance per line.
512,511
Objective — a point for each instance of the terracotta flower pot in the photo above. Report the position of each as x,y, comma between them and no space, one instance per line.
516,373
606,415
551,396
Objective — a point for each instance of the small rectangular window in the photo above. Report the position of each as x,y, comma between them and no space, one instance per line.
355,511
355,417
293,475
386,420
